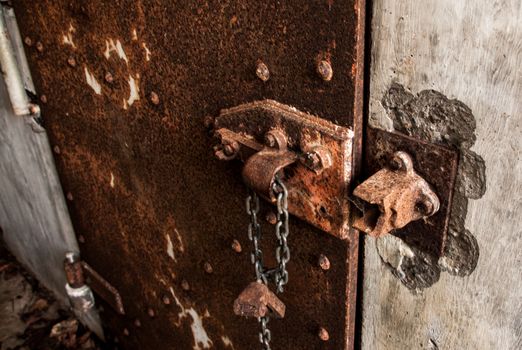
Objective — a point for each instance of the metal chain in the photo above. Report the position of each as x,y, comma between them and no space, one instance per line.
282,250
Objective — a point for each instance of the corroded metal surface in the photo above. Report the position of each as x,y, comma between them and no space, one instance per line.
398,196
312,156
436,164
125,86
257,300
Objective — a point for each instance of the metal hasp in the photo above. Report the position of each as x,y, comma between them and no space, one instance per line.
398,195
311,156
259,301
408,189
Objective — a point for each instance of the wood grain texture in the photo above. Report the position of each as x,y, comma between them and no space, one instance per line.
471,51
33,213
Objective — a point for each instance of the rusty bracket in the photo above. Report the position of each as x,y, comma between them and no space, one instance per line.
408,189
311,156
258,301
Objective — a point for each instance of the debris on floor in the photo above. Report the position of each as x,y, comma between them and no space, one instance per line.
31,318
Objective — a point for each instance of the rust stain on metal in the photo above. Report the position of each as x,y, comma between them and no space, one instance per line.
398,196
257,300
161,157
437,164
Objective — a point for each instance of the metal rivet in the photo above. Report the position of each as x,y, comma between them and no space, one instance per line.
262,71
151,313
126,332
323,334
43,99
324,68
109,78
324,262
70,196
271,218
137,323
39,47
34,109
81,239
154,98
236,246
185,285
28,41
166,300
71,61
208,268
56,150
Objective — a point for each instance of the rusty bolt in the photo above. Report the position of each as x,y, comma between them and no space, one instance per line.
39,47
324,69
109,78
154,98
262,71
323,334
318,159
276,139
271,218
71,61
208,268
28,41
126,332
69,196
185,285
56,149
151,312
137,323
236,246
166,300
324,262
43,99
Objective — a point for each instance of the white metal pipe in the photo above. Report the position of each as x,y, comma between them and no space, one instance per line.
12,77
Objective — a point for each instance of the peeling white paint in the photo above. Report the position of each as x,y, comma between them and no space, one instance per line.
170,248
93,83
393,250
68,38
147,51
134,93
181,245
201,339
111,46
112,180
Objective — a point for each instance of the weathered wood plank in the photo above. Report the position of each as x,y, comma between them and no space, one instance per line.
470,51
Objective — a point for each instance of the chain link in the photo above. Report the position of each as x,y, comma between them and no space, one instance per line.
282,251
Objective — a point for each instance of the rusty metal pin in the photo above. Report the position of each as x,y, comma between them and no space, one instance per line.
324,262
262,71
324,69
34,109
236,246
154,98
323,334
229,149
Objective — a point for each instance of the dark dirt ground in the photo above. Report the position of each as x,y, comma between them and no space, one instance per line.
31,318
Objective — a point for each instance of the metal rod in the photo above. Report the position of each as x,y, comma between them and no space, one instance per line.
12,77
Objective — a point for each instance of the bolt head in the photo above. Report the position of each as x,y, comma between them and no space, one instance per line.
271,218
324,69
126,332
109,78
39,47
236,246
154,98
323,334
137,323
71,61
166,300
262,71
28,41
151,313
228,149
324,262
208,268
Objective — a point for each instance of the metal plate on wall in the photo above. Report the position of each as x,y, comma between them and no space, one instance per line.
125,88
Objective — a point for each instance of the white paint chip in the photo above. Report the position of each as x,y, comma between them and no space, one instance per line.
201,339
93,83
170,248
147,51
227,342
134,34
111,46
112,180
68,38
134,93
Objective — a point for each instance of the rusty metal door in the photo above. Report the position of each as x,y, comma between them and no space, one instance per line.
125,87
